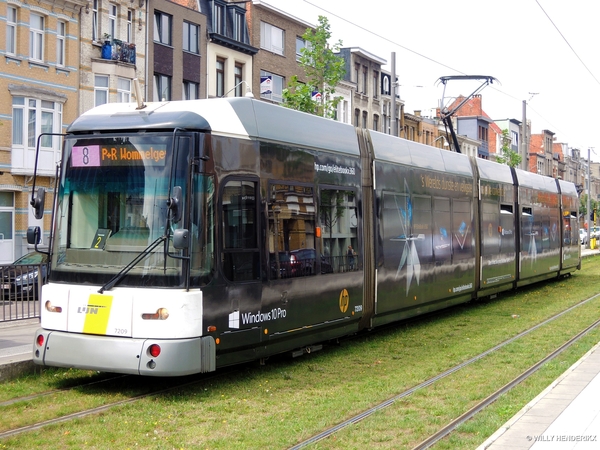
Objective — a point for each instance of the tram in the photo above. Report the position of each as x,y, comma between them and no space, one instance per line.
192,235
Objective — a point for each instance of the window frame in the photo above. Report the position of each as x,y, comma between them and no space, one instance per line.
162,21
267,33
36,38
159,89
113,23
276,94
190,44
219,15
239,25
220,77
188,87
32,116
238,78
61,38
100,89
130,19
95,32
123,95
12,19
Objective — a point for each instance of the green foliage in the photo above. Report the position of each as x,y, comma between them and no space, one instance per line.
323,71
508,156
583,205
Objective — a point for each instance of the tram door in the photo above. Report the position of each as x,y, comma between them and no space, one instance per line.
240,255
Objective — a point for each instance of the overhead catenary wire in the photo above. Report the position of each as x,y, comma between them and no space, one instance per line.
567,42
435,61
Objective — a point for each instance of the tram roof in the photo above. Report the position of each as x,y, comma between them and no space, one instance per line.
568,188
235,116
493,171
401,151
536,181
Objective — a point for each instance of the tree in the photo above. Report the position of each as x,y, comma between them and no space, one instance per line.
508,156
323,71
583,212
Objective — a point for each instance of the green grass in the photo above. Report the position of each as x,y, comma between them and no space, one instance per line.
287,401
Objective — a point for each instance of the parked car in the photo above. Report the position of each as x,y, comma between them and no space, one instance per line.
582,236
285,270
20,279
303,262
595,232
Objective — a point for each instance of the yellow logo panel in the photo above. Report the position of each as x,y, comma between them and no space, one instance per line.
97,314
344,300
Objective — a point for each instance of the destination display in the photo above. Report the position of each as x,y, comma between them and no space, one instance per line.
102,156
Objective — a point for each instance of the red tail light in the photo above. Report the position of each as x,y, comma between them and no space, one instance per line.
40,340
154,350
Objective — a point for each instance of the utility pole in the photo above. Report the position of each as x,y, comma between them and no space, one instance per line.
525,136
524,149
589,191
394,127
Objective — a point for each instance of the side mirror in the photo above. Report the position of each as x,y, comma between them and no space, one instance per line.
33,235
174,204
38,203
181,239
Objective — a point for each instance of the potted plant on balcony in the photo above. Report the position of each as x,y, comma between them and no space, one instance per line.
107,47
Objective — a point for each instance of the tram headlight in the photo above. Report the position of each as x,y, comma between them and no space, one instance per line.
50,308
160,314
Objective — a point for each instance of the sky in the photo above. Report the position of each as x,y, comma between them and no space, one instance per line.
543,52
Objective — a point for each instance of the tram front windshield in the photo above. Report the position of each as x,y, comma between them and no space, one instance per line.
111,208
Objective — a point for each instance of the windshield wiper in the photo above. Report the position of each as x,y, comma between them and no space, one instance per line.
118,277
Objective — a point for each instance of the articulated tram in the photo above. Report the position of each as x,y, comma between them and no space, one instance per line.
192,235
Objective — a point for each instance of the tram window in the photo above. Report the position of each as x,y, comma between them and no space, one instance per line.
291,231
462,229
422,228
338,219
545,232
396,220
241,260
507,229
442,235
571,229
490,230
202,228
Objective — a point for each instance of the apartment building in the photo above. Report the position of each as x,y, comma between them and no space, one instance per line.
541,154
364,70
176,43
229,52
39,85
112,51
278,36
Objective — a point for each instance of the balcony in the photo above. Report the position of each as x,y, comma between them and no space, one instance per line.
117,50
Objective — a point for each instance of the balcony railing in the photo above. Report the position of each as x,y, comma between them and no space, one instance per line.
117,50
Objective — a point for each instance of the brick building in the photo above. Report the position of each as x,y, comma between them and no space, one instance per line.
176,61
278,35
39,86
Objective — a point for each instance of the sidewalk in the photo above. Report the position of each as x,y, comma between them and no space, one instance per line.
16,346
566,415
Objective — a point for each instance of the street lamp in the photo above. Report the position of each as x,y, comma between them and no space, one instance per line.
248,90
445,144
